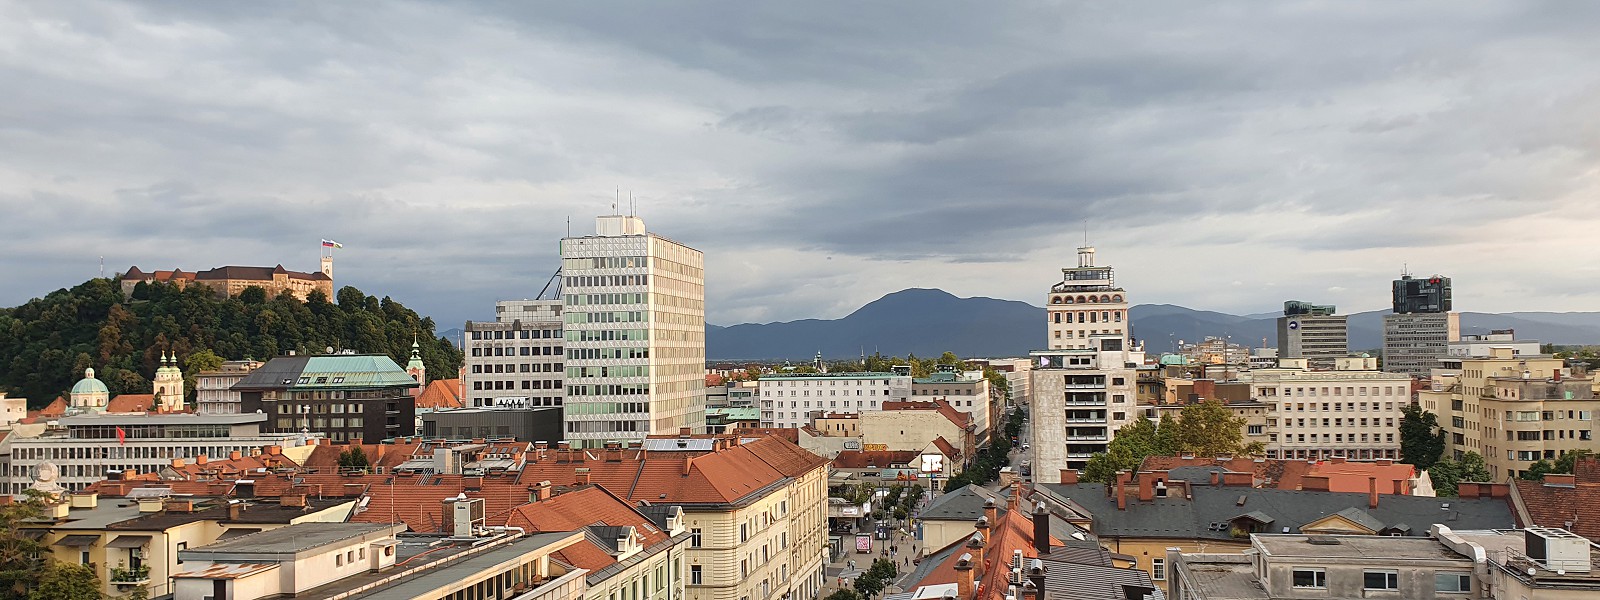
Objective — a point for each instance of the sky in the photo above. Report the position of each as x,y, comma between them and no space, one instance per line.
1222,155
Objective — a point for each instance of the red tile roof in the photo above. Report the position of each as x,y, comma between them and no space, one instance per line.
1351,476
727,475
326,456
1013,532
874,459
1284,474
131,403
440,393
947,448
56,408
580,508
1559,505
960,419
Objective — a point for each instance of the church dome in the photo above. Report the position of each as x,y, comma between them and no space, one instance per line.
89,385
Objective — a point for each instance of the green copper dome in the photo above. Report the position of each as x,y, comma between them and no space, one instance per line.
89,385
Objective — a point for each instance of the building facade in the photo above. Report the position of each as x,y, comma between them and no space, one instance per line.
634,314
967,392
1352,411
214,393
1312,332
794,399
1512,409
1081,397
517,360
231,280
1419,331
1086,303
343,396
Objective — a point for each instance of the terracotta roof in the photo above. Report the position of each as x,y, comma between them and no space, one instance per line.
56,408
727,475
713,380
441,393
379,455
1557,505
960,419
1280,474
789,433
131,403
1351,476
947,448
1013,532
874,459
581,508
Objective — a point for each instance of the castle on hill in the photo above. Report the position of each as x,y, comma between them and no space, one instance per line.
231,280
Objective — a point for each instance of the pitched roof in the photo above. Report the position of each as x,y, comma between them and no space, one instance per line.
1574,507
441,393
256,273
1351,476
589,507
1177,517
327,372
326,456
874,459
131,403
741,469
960,419
1281,474
1012,532
55,408
945,447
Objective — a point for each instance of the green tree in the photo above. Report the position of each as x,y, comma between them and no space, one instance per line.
1568,463
844,594
1131,444
20,565
1445,474
1209,429
1537,470
66,581
1421,438
1474,468
254,294
353,458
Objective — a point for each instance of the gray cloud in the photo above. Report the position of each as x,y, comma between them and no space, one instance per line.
821,155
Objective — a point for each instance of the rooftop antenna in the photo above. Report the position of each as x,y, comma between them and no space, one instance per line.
569,225
102,267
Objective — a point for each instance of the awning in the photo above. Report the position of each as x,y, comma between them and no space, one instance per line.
77,540
233,533
129,541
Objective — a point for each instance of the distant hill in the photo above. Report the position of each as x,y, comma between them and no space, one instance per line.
928,322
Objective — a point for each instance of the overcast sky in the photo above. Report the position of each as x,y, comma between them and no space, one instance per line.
1224,156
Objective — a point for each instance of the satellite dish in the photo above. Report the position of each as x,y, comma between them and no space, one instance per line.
330,350
1532,571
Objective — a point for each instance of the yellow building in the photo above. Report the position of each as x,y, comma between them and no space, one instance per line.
1512,409
231,280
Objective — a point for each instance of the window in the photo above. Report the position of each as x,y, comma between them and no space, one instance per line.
338,560
1158,569
1452,582
1310,578
694,538
694,575
1257,429
1380,580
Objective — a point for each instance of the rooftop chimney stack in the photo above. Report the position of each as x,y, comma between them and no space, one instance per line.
1041,529
991,513
964,577
1372,492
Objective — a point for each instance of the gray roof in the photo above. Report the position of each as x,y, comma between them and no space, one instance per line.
293,539
1076,581
1197,518
964,504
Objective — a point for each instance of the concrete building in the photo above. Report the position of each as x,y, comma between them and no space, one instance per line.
214,394
342,396
911,425
231,280
1087,303
1480,345
1336,566
518,359
794,399
1352,411
1512,409
1312,332
542,424
967,392
1081,397
634,313
1419,331
1016,372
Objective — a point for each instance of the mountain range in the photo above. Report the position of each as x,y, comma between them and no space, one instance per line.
928,322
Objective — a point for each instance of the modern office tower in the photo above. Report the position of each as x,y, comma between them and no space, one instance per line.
1087,303
1081,397
1419,332
1312,332
634,315
516,360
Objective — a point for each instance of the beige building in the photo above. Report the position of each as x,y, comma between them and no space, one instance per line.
231,280
968,392
1086,303
912,425
1081,397
1352,411
212,393
1512,409
1334,566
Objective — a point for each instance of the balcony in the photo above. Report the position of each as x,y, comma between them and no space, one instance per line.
1094,402
1080,455
139,575
1085,386
1086,438
1090,421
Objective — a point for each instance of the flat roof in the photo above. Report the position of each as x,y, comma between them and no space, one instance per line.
859,375
91,419
1222,576
455,571
1356,546
292,539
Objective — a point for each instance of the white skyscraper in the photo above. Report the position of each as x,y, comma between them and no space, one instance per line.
634,312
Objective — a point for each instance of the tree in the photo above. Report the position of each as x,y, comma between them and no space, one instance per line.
19,554
254,294
844,594
1209,429
354,458
1568,463
1421,438
1445,474
1132,443
1538,469
66,581
1474,468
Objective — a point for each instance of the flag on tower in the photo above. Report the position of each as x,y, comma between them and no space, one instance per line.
331,244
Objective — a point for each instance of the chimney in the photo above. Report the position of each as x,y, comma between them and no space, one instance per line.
975,546
1069,476
1216,478
1121,492
541,491
964,577
1041,529
235,455
1399,487
177,463
235,510
1372,492
1467,489
582,475
1035,573
85,499
275,450
355,441
201,460
1147,487
991,514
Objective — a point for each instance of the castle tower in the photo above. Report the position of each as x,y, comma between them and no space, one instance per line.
327,265
169,384
89,394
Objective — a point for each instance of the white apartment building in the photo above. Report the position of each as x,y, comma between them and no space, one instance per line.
1352,411
1081,397
792,400
1085,304
634,314
211,388
517,359
1482,346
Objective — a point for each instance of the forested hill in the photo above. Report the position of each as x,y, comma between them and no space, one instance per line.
46,343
